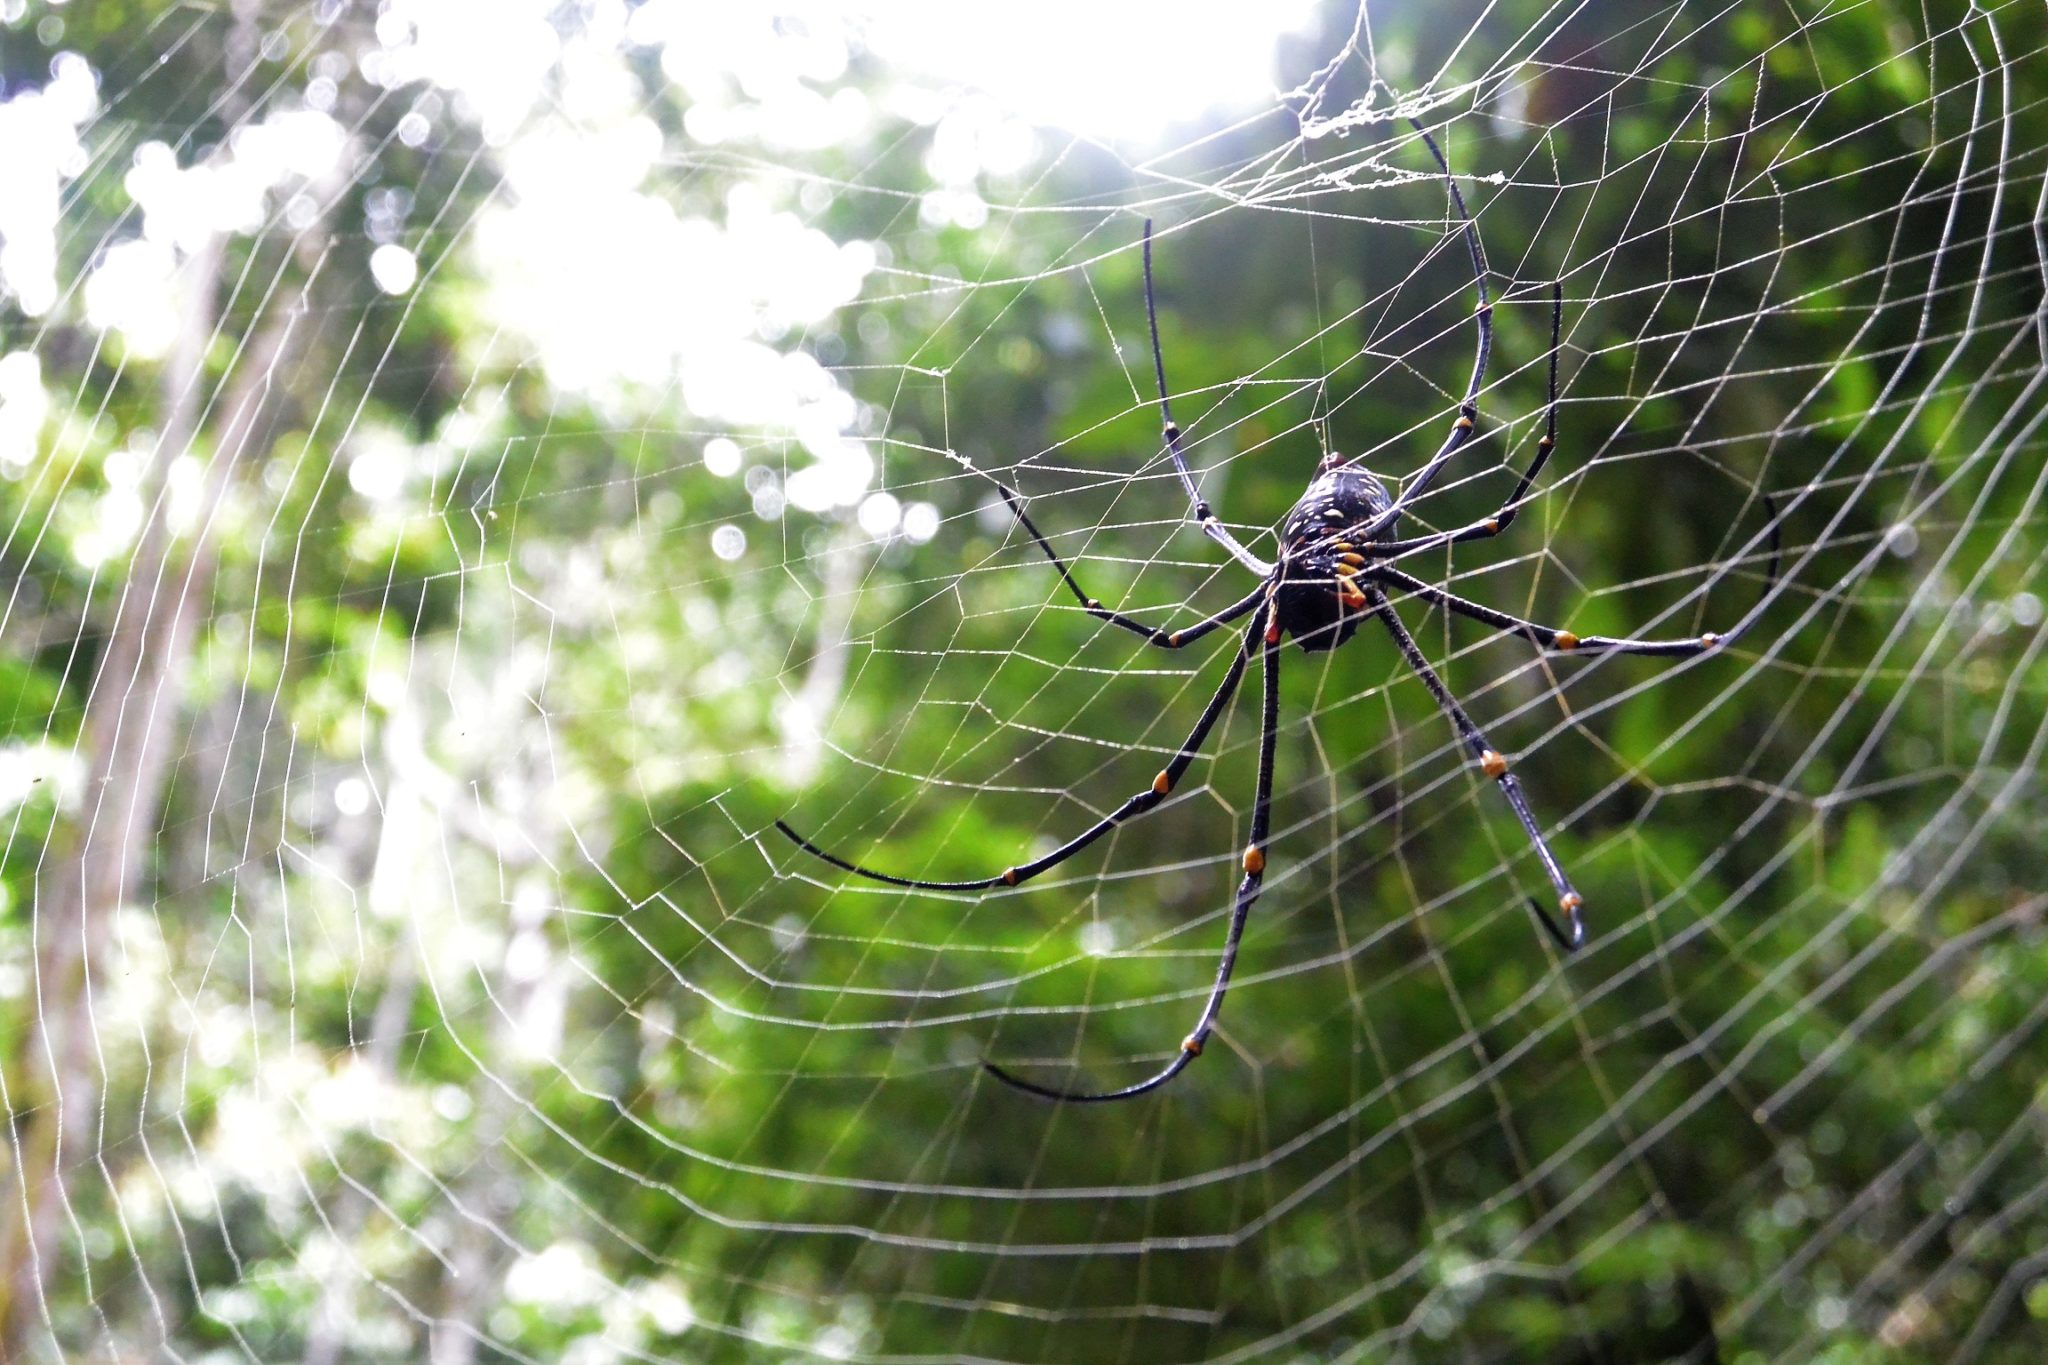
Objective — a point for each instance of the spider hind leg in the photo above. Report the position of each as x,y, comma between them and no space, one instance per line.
1572,932
1248,889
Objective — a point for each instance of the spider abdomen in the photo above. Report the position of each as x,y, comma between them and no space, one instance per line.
1342,498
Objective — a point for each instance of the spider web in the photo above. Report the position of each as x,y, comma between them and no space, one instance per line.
468,472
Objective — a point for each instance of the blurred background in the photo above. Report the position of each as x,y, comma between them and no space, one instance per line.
468,467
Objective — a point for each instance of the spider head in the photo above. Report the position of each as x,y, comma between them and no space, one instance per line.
1318,603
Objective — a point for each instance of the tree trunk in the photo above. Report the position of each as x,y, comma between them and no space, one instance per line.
126,738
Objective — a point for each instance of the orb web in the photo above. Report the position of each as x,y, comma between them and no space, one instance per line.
468,475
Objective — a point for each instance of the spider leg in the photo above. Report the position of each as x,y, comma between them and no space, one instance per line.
1570,935
1204,513
1247,896
1565,642
1136,805
1512,508
1165,639
1468,410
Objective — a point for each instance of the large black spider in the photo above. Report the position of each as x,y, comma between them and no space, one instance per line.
1333,571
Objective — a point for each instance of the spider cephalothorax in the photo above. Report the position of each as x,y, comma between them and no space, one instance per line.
1337,566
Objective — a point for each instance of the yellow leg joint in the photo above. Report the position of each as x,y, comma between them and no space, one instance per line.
1162,783
1009,876
1463,423
1254,861
1493,765
1191,1045
1564,640
1571,903
1709,640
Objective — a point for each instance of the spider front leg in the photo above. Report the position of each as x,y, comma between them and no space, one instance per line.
1570,935
1205,515
1134,806
1551,637
1165,639
1241,909
1500,521
1468,408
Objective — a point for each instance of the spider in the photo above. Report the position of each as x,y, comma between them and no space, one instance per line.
1337,563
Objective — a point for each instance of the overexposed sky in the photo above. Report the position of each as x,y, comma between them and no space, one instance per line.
619,290
1111,70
